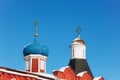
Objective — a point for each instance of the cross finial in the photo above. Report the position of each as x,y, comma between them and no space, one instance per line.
36,28
78,30
36,23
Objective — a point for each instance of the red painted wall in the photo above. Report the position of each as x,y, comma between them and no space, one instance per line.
86,76
6,76
35,65
101,78
69,74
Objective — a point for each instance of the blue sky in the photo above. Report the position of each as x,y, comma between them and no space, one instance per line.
99,20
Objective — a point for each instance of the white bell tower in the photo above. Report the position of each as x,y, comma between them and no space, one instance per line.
78,61
78,48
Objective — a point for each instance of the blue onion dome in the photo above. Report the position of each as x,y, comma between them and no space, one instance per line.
35,48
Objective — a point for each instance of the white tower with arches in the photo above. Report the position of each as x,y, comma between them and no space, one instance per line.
78,48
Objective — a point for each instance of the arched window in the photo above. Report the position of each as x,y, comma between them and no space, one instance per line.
73,53
83,53
28,65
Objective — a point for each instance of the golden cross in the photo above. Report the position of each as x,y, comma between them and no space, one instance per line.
78,30
36,28
36,23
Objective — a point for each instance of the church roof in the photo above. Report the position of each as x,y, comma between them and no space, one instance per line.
38,76
81,73
98,78
63,68
78,41
80,65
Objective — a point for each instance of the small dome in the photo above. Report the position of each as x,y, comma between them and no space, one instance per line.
35,48
78,40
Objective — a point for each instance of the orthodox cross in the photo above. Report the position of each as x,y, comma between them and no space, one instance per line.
36,23
78,30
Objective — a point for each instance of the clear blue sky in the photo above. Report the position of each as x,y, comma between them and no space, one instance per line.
99,20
